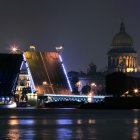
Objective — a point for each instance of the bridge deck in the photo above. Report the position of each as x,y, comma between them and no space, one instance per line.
46,67
79,98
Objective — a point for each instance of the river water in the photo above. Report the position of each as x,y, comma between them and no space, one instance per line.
69,124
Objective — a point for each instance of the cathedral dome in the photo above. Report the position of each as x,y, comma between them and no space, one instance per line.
122,38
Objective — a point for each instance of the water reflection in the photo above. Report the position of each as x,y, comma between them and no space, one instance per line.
79,121
16,130
71,124
28,134
13,134
16,134
64,121
21,122
135,121
64,133
91,121
13,121
135,131
26,121
79,133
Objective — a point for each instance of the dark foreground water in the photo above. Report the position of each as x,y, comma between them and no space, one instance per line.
69,124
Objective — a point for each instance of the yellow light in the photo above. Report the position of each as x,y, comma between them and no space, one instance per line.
135,121
136,90
59,49
32,47
126,93
45,83
78,84
14,49
93,84
129,69
89,97
90,94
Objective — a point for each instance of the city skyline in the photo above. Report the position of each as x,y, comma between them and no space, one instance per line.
85,28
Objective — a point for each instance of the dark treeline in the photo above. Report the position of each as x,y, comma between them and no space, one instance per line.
118,83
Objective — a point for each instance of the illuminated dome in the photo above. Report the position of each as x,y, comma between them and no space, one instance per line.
122,38
122,56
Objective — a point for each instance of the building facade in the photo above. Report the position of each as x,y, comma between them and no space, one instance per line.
122,56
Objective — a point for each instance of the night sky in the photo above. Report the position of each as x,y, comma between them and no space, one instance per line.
84,27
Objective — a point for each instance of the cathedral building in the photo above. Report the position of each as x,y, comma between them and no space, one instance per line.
122,56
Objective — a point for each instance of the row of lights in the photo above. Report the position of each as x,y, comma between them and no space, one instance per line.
4,98
79,83
14,48
135,91
68,99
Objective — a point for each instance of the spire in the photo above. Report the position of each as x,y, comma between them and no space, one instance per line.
122,27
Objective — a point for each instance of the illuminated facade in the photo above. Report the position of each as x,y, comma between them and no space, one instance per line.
25,84
122,56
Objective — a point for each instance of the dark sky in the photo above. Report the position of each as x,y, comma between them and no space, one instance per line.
85,27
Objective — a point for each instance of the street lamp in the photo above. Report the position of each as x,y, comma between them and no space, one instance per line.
59,49
45,86
89,97
79,83
44,83
136,91
93,84
79,86
14,49
93,87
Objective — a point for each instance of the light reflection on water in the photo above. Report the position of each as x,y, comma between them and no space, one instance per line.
79,121
69,124
17,134
64,121
21,121
13,134
64,133
135,130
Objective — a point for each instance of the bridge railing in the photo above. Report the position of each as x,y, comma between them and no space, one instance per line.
78,98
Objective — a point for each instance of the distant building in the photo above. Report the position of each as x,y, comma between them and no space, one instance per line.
91,68
93,79
96,81
122,56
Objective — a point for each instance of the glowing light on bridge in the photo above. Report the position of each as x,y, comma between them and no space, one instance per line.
78,98
60,58
33,89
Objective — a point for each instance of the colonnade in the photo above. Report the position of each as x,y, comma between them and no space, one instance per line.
122,61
